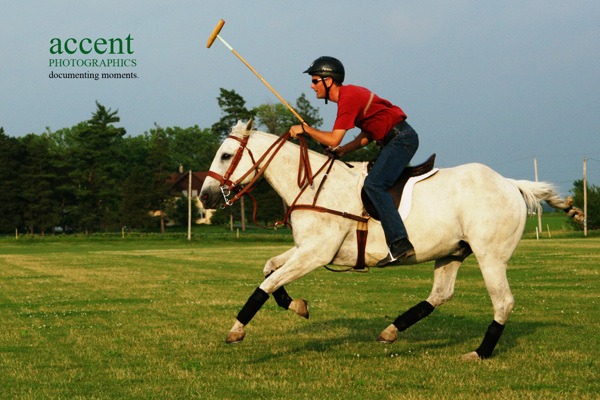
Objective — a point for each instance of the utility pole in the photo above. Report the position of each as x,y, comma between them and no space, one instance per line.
243,212
540,208
190,206
585,196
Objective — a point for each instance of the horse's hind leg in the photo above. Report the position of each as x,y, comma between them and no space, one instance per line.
299,306
442,291
494,275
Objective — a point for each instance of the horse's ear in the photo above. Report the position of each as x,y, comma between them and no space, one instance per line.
249,126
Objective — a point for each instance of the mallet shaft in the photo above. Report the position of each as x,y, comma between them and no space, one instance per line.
215,34
269,86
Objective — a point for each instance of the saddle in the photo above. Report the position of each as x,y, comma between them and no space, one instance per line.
396,190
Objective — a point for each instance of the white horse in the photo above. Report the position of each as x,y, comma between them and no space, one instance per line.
456,212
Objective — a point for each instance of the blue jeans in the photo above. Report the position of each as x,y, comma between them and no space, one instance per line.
392,160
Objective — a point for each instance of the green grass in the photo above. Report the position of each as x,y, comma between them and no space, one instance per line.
554,225
147,319
202,231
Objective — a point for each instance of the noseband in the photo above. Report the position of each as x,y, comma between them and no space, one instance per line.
227,186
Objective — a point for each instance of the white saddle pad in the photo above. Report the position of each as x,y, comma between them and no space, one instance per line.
406,199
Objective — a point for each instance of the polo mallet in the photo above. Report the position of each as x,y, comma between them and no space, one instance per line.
215,34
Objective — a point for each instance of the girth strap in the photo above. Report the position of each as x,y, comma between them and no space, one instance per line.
327,210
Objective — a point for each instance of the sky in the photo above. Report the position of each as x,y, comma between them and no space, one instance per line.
498,83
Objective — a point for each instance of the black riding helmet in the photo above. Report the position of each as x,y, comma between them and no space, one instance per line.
327,67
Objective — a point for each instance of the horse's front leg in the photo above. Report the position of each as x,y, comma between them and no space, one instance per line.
283,299
300,263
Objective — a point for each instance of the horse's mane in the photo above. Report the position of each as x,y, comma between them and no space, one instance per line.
240,131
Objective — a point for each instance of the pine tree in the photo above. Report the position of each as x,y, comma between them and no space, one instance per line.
97,158
233,108
160,168
12,152
42,210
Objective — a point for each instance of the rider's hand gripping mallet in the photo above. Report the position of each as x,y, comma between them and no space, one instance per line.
215,34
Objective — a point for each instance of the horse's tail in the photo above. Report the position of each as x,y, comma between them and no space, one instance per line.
534,192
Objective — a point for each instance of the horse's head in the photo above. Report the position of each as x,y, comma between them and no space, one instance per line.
230,163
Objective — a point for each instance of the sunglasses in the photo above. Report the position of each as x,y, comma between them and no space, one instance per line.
315,81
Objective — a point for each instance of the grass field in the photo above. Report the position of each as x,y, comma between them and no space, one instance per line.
553,225
147,319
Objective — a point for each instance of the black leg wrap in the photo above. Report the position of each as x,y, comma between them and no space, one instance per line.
282,298
254,303
490,340
413,315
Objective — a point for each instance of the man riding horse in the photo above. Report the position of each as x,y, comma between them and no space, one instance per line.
463,210
378,120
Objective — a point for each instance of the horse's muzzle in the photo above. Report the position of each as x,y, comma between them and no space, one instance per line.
211,199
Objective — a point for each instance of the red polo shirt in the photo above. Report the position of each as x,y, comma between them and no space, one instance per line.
359,107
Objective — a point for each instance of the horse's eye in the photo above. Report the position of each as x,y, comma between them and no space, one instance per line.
225,157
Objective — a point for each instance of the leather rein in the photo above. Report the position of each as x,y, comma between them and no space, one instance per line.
305,178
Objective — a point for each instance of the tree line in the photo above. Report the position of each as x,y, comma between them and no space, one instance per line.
94,177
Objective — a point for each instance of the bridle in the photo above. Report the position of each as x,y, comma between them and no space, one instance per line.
305,176
227,186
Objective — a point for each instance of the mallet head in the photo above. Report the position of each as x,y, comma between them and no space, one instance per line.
215,33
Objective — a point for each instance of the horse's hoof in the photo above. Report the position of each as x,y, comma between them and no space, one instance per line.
301,308
235,337
389,335
472,356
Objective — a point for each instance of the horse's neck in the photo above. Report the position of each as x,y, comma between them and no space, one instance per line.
282,172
